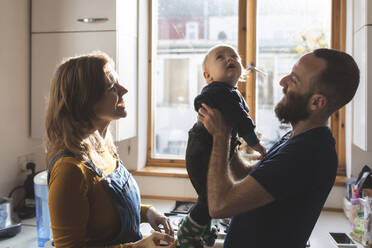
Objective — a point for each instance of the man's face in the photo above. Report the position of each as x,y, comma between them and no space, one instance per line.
294,106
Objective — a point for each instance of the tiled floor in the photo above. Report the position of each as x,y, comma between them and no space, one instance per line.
327,222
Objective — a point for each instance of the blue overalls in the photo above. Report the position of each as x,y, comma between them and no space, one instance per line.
124,193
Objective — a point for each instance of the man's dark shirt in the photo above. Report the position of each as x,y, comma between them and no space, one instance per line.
299,173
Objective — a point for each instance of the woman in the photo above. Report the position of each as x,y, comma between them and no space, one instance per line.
93,200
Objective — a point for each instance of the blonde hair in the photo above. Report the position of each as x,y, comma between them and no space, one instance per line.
242,77
78,83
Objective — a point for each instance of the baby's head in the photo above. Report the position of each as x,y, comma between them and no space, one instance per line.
223,64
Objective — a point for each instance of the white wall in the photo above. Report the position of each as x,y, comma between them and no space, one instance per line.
133,151
14,94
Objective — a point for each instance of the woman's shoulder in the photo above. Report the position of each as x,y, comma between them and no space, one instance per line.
71,169
69,164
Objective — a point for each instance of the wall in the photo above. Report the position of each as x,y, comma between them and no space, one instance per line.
14,95
133,152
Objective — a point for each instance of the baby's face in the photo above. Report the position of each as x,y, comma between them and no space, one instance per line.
223,64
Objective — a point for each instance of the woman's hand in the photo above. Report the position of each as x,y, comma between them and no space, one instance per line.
155,219
213,121
154,239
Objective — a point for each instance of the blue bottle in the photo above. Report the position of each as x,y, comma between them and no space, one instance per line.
42,209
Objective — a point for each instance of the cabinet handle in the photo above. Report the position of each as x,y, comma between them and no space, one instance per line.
92,20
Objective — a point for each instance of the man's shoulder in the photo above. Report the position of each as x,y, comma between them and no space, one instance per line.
318,139
307,146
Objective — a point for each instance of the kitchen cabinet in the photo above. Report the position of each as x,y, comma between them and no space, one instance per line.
362,113
61,29
362,53
362,13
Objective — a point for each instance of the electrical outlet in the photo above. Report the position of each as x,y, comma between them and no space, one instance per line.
21,163
23,159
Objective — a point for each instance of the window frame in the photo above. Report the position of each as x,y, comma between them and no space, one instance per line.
247,49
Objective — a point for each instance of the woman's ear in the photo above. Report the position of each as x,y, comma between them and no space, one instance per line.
318,102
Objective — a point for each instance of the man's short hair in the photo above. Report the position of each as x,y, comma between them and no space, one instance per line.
339,80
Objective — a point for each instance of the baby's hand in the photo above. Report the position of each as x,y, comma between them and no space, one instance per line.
259,148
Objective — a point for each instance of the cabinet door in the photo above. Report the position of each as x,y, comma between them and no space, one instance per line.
69,15
362,113
362,13
48,50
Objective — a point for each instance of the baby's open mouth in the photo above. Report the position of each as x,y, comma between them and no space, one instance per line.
120,104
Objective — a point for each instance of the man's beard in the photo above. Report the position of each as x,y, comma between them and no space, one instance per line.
293,108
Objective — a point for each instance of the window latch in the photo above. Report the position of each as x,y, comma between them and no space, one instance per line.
252,68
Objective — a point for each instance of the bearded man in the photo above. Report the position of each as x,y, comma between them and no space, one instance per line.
277,202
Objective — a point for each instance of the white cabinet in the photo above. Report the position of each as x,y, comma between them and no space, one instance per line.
73,15
61,29
362,104
362,13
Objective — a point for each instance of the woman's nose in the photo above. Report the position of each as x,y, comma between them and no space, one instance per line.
123,90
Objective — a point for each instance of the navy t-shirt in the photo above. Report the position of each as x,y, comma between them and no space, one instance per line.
299,173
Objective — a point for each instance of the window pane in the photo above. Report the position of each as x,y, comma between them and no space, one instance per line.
183,31
284,33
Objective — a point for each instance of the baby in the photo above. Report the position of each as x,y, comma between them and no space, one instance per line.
222,69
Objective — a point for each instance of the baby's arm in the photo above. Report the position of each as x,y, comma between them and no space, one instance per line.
240,167
253,141
259,148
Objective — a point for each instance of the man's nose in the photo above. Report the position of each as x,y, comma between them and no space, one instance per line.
283,81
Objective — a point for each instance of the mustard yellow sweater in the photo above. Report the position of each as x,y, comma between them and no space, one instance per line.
81,211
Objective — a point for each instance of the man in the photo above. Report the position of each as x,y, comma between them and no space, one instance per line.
277,203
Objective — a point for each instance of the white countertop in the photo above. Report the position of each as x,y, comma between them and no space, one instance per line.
328,222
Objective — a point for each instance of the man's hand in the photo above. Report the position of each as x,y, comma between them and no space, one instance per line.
155,219
154,239
213,121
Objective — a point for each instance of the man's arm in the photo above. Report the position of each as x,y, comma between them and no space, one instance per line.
226,196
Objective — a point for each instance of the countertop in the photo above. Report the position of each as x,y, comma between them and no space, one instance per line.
327,222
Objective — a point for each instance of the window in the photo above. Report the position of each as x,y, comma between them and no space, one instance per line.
284,33
269,35
182,32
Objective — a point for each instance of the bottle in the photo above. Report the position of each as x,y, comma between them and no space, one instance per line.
42,209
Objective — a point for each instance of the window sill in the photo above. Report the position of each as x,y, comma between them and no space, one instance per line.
340,181
161,171
179,172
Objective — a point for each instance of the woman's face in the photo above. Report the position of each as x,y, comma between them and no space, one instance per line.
111,106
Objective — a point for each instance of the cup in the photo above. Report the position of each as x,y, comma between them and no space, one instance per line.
42,209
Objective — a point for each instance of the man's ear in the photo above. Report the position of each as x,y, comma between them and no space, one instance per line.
318,102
